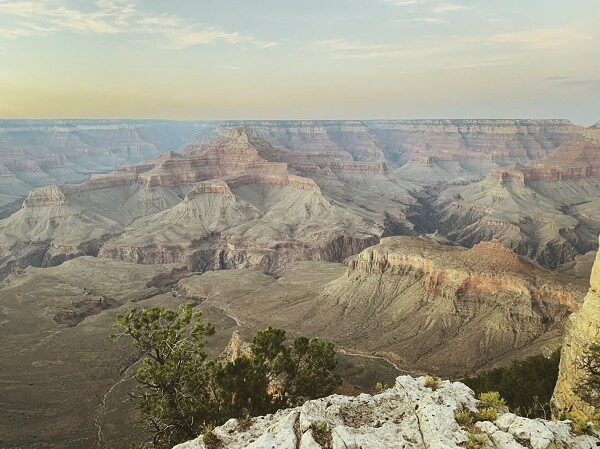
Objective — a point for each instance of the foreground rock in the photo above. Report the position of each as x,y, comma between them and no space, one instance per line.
409,415
582,330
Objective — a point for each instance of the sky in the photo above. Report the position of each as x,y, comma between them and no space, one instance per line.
300,59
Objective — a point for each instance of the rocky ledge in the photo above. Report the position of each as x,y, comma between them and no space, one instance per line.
409,415
487,268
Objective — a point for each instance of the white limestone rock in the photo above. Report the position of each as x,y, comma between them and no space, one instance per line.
408,415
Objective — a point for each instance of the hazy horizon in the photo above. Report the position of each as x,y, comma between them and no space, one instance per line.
343,60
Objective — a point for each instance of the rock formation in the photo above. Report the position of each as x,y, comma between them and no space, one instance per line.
548,210
408,415
583,329
35,153
400,176
425,306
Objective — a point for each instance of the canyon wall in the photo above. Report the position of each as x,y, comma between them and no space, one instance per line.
583,329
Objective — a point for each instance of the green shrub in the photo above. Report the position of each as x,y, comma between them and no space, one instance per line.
210,440
476,441
526,385
433,382
379,387
464,417
487,414
492,399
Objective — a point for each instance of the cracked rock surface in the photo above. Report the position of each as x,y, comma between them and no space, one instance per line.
408,415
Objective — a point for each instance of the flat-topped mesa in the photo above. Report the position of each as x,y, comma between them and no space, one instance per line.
502,139
572,160
583,329
488,267
46,196
274,180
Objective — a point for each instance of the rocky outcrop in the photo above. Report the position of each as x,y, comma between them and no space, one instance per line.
571,161
408,415
447,310
487,268
550,222
395,140
582,330
424,306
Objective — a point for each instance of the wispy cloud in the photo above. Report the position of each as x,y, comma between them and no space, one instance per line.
421,20
46,17
544,38
572,81
449,7
349,49
229,67
404,2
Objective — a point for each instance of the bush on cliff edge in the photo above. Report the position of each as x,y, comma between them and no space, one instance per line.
181,392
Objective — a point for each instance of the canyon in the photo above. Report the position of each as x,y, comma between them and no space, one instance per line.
365,180
426,307
417,246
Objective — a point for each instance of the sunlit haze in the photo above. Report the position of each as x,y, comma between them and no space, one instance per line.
274,59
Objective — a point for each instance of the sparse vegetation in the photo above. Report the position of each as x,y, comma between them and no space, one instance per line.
492,399
379,387
526,385
589,390
245,423
487,414
464,418
210,440
476,441
579,426
321,434
182,393
433,382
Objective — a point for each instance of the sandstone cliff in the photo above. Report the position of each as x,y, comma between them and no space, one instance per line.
408,415
583,328
425,306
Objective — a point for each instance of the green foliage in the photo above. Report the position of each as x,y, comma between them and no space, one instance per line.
476,441
433,382
487,414
464,418
173,379
301,371
526,385
379,387
579,426
181,392
492,399
321,434
589,390
210,440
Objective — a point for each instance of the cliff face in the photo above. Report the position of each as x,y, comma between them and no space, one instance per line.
395,140
408,415
423,305
446,309
583,329
547,211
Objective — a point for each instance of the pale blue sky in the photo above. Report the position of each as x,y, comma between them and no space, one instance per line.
228,59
